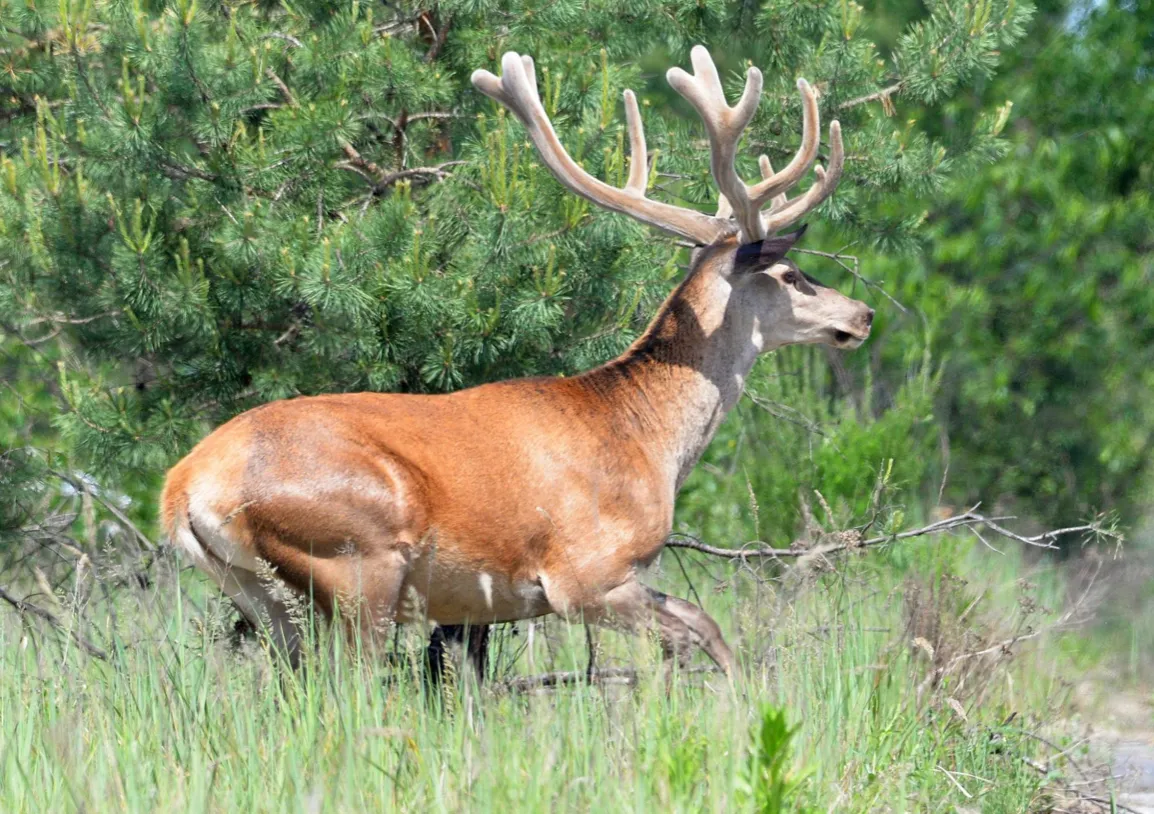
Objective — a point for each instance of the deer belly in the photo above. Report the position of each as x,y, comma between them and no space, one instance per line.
451,595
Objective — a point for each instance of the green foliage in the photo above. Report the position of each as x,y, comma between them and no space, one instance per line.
204,206
26,408
679,752
791,452
222,204
1039,272
241,735
25,402
773,786
21,476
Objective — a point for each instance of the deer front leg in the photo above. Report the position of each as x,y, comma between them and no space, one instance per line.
681,625
684,625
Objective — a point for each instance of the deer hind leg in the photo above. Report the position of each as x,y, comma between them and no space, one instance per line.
263,604
367,592
474,639
261,600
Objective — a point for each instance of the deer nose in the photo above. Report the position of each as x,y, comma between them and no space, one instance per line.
869,317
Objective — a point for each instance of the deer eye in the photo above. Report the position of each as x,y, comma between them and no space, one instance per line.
789,278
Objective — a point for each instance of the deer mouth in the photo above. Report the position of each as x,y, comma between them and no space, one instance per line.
848,339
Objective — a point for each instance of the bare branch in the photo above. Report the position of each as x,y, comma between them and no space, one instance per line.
25,608
284,88
601,676
840,258
181,172
291,40
409,118
395,27
439,37
432,114
1068,619
884,95
437,172
358,161
966,520
61,319
80,486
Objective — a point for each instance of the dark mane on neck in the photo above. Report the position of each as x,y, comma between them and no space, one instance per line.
670,334
673,336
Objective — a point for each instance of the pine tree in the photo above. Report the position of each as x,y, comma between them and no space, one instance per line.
215,204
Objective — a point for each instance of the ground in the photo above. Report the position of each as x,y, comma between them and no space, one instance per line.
1125,734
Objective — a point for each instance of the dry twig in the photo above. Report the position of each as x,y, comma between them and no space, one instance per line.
840,259
1109,803
25,608
80,486
627,676
883,95
968,519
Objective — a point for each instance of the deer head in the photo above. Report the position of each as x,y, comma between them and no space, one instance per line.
782,304
739,248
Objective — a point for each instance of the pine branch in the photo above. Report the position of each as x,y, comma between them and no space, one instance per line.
180,172
284,89
884,95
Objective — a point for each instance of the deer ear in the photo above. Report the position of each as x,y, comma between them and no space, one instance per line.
762,254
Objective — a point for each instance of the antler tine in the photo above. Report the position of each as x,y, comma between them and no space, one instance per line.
530,71
516,89
724,125
766,174
773,185
791,212
638,155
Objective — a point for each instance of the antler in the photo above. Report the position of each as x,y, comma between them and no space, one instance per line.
724,126
516,89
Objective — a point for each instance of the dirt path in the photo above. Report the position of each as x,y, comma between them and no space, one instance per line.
1135,760
1125,726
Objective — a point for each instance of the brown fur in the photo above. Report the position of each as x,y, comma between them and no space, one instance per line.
501,502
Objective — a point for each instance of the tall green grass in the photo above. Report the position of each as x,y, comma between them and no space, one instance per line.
837,707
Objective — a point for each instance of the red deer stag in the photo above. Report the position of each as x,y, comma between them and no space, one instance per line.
545,495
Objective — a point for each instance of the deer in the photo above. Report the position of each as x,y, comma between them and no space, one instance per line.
521,498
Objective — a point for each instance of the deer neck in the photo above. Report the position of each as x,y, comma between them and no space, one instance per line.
677,382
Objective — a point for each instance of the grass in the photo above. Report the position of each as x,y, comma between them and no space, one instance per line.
838,707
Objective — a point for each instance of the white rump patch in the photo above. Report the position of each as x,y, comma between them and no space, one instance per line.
214,531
